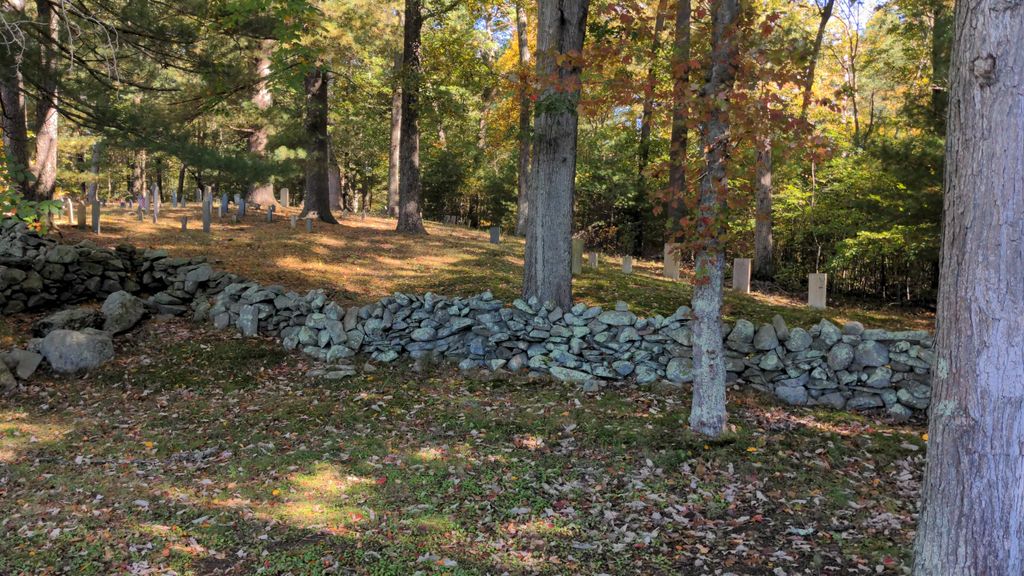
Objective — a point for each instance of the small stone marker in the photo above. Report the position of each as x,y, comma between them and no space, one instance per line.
69,210
577,256
817,288
284,197
156,210
184,223
741,275
270,214
223,204
238,199
495,232
671,266
95,217
142,214
627,264
207,210
309,224
294,220
199,194
81,216
592,259
241,208
174,199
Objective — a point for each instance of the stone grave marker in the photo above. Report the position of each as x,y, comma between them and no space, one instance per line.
223,204
817,288
741,275
81,216
270,213
671,265
238,199
95,217
495,233
577,256
309,224
592,259
207,211
184,223
627,264
141,213
241,208
284,197
69,210
294,220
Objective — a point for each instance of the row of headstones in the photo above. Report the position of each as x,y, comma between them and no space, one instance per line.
817,284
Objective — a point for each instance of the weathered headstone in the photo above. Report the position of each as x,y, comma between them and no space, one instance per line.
270,214
184,223
294,220
592,259
223,204
241,208
81,216
69,210
495,233
671,256
199,194
817,288
627,264
577,256
207,210
141,213
95,217
156,209
284,197
741,275
309,224
174,199
238,199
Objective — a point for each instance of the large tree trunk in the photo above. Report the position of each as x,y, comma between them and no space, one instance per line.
676,209
94,170
13,122
764,268
525,116
409,185
973,497
261,192
641,203
45,168
138,176
812,63
335,186
561,25
707,414
181,181
317,147
396,129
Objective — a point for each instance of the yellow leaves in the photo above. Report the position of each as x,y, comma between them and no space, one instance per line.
275,492
924,436
751,449
148,444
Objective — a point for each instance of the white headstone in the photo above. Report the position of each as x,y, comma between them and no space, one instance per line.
627,264
284,197
817,290
592,259
741,275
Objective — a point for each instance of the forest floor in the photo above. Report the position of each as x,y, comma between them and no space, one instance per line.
364,260
195,454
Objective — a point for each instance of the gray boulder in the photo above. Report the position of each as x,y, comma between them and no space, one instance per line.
781,330
69,351
840,356
679,370
766,339
799,340
7,381
121,312
871,353
23,362
795,395
70,319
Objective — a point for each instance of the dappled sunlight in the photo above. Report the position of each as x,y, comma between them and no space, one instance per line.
19,433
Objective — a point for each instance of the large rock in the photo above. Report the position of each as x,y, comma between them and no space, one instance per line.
23,362
795,395
766,339
840,356
121,312
799,340
7,381
69,351
70,319
679,370
871,353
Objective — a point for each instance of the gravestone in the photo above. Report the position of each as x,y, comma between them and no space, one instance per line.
81,216
241,208
95,217
270,214
143,202
234,218
671,256
495,233
238,199
577,256
207,210
142,214
69,210
174,199
309,224
817,288
284,197
223,204
131,204
741,275
184,223
592,259
199,194
294,219
627,264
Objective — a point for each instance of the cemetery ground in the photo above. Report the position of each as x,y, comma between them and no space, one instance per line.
362,260
197,452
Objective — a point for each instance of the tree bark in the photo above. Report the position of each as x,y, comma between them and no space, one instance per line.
45,168
335,186
181,181
561,26
641,203
812,63
262,99
764,268
138,175
394,158
317,198
14,122
525,117
676,208
94,169
972,519
409,185
707,414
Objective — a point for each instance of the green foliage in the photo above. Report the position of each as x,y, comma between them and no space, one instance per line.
38,214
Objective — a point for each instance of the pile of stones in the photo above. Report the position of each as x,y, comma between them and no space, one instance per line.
849,368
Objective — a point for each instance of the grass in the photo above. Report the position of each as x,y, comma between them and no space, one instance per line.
364,260
200,453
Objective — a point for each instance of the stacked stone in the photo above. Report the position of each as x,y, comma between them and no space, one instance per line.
181,284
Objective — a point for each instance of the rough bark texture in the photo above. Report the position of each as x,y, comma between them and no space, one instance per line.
409,184
181,182
137,180
262,99
45,167
972,520
764,268
676,209
812,63
94,170
334,186
525,117
641,203
707,415
317,196
394,158
13,122
561,25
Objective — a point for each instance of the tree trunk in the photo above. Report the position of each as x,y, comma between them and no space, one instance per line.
335,185
138,175
317,147
812,63
525,116
94,169
561,25
972,504
396,129
261,192
13,122
707,414
764,268
409,184
181,181
676,208
641,203
160,177
45,168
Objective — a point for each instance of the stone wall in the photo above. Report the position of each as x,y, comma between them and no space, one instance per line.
845,368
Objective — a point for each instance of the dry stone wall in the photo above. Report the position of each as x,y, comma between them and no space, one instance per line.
846,367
